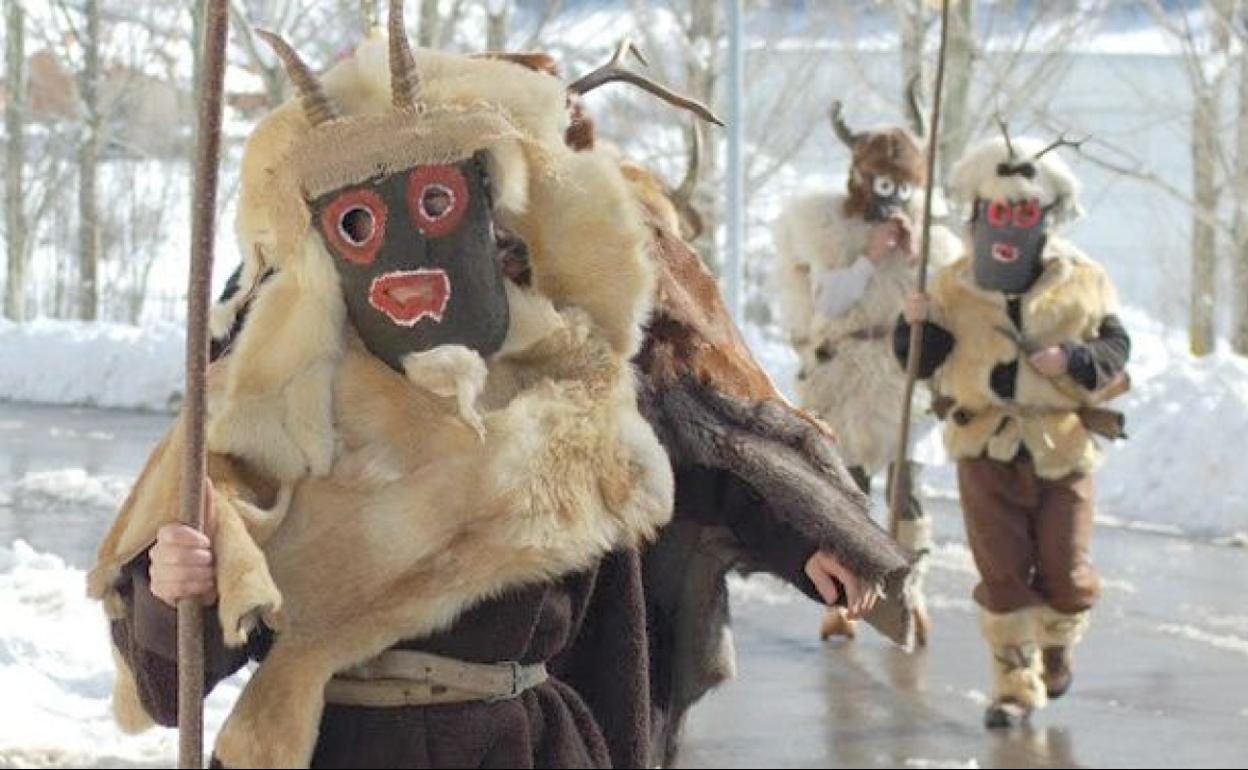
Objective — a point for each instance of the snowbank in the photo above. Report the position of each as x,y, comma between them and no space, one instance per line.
96,364
53,651
1185,418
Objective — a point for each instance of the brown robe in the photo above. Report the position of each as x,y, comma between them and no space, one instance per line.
627,655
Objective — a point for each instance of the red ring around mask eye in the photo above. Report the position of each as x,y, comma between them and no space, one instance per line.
437,197
355,224
1027,214
998,213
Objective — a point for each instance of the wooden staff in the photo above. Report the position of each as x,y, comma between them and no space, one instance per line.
901,476
207,157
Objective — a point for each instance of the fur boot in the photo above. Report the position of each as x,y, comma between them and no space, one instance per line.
1017,687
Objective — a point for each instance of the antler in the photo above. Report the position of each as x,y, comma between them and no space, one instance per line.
615,70
839,126
1005,132
1062,141
914,105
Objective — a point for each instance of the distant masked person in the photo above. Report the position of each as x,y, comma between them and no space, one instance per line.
1022,343
845,263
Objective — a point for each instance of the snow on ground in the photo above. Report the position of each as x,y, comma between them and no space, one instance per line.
58,672
40,491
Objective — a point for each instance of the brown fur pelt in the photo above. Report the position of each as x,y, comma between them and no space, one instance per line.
895,152
712,404
365,506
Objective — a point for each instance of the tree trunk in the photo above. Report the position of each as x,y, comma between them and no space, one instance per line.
910,19
498,18
1204,235
955,129
1239,278
702,68
88,163
1206,150
428,35
15,158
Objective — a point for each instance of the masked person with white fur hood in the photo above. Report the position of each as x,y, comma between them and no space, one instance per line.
844,264
1023,343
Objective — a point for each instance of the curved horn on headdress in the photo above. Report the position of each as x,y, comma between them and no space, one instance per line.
316,104
914,107
683,195
404,79
842,130
1005,132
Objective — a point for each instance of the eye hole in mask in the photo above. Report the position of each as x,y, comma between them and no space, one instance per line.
999,213
1027,214
355,223
438,199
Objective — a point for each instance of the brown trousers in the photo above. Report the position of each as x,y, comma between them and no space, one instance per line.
1030,536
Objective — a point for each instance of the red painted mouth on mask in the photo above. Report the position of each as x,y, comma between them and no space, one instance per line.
1004,252
408,296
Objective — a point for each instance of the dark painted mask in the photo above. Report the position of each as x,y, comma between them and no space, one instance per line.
886,197
416,254
1009,240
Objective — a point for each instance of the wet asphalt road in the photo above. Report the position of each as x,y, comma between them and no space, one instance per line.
1161,680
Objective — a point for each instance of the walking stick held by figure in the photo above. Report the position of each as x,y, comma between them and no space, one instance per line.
207,158
901,484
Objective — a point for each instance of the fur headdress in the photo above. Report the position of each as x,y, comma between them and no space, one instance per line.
372,113
1011,169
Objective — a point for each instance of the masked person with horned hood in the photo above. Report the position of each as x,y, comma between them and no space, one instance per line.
549,668
1022,343
415,464
845,262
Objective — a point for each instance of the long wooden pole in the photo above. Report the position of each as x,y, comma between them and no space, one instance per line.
901,481
207,160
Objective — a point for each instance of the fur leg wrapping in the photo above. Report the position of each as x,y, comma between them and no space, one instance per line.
915,534
1016,664
1059,629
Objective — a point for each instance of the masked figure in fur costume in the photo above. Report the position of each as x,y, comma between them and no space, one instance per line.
398,432
1022,342
844,265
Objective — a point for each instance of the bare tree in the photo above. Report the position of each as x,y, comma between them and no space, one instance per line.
1025,69
956,125
1205,55
88,165
1239,271
15,161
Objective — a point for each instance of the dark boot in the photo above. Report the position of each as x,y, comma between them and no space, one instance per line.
1057,670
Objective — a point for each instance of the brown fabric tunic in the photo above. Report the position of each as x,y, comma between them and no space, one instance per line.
548,726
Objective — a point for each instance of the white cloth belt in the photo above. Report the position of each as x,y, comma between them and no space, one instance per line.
414,678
